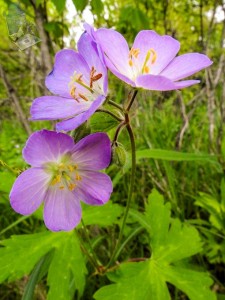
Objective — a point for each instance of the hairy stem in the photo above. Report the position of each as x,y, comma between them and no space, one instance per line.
131,188
109,113
115,104
132,100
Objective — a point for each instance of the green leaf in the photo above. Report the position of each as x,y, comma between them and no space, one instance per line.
168,155
38,272
170,242
67,268
97,7
102,122
222,189
60,5
80,4
68,265
176,156
213,207
104,215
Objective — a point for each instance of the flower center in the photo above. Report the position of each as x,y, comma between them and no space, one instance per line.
86,90
65,176
149,60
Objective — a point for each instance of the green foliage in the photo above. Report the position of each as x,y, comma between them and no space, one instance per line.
80,4
60,5
67,268
97,7
93,215
170,242
102,122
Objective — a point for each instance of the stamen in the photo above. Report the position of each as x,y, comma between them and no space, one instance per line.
151,57
72,186
82,96
72,168
61,187
94,77
78,177
56,180
146,69
130,62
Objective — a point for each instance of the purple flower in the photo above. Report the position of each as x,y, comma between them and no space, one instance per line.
62,175
151,62
79,81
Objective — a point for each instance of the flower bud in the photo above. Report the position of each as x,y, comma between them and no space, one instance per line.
119,154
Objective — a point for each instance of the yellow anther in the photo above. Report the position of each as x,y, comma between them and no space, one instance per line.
151,57
61,166
130,62
57,179
136,52
146,69
67,177
154,57
61,187
72,186
70,168
78,177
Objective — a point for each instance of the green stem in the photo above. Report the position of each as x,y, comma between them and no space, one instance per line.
89,242
84,249
115,105
119,128
109,113
133,168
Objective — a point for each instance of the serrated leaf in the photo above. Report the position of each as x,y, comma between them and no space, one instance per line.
104,215
67,268
102,122
68,265
170,241
33,245
213,207
80,4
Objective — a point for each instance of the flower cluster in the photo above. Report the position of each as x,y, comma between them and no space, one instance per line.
64,173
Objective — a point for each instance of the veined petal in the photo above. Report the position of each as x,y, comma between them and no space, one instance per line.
75,122
46,146
117,73
186,65
115,48
29,191
88,49
53,108
161,83
185,83
95,188
67,62
93,152
62,210
164,46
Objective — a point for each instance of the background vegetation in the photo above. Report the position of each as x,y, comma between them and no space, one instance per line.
190,121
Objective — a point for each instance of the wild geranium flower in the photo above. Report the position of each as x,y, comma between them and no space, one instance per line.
151,61
62,175
79,81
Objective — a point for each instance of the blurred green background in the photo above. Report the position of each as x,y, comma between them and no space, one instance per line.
191,120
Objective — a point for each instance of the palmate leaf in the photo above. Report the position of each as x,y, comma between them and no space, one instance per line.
170,242
20,254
